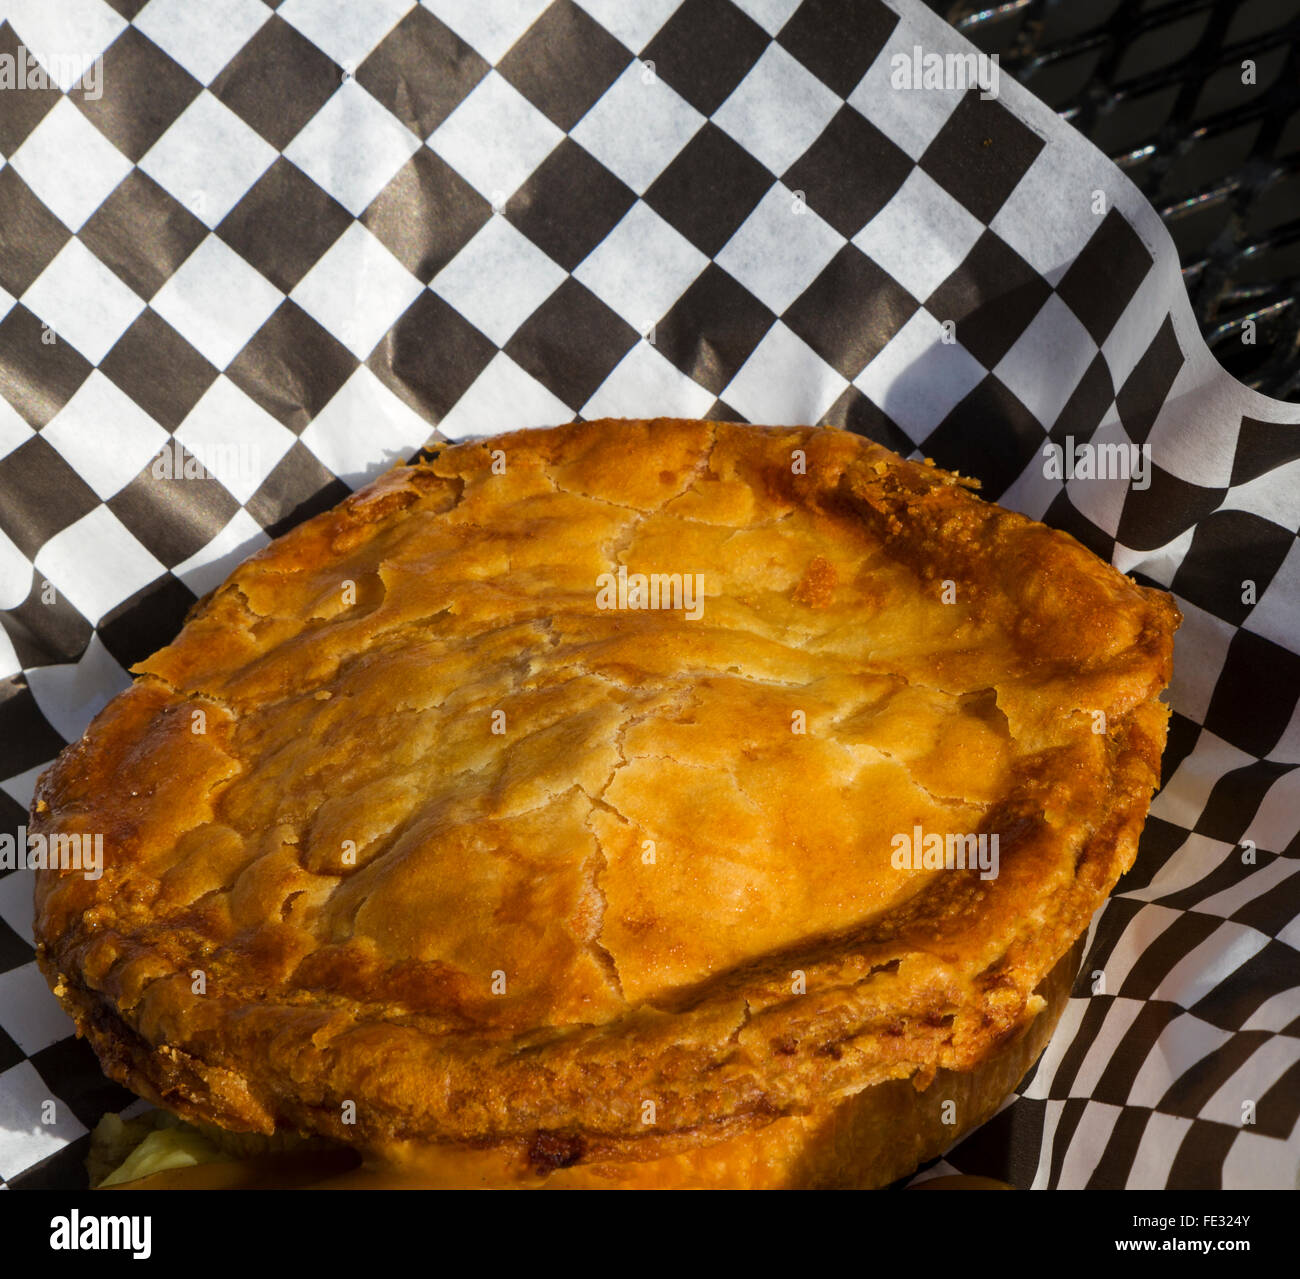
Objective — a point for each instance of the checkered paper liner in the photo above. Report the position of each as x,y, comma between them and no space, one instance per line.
292,242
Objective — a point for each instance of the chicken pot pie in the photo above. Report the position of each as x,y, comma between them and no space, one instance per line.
626,803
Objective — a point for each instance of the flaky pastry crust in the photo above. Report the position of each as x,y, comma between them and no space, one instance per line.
404,818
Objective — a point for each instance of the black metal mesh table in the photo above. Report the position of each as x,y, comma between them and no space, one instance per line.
1162,89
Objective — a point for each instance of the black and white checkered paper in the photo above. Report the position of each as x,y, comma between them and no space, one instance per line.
292,241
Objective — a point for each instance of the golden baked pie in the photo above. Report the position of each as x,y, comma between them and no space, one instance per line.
628,803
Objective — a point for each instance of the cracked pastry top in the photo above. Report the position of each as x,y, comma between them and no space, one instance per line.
405,818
